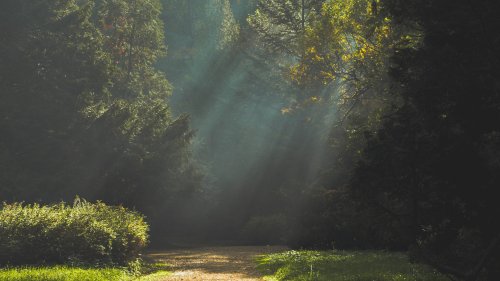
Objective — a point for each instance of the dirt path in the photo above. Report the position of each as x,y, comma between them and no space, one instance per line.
214,263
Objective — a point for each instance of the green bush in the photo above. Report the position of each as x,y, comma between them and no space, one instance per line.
83,233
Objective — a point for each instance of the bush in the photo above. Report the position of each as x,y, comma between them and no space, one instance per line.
83,233
270,229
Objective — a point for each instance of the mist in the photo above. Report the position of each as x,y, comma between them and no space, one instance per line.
225,126
256,143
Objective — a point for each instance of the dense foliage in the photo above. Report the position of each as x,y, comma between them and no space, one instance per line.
415,157
433,165
84,110
82,233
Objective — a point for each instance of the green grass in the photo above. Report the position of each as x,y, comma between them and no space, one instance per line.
344,266
154,276
63,273
60,273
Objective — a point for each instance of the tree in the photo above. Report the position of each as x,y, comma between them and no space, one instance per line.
134,39
84,110
281,25
431,165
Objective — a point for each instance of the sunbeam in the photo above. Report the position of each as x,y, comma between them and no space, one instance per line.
311,140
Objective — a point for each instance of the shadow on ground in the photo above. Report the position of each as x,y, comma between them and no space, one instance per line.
214,263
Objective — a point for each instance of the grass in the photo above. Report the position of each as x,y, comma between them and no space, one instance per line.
344,266
59,273
64,273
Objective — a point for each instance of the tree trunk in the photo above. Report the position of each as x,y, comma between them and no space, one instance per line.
303,15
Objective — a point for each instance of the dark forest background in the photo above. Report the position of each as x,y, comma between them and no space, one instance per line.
321,124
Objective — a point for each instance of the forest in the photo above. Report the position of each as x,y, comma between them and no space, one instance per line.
294,139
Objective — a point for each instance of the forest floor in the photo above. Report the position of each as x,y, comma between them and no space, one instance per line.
232,263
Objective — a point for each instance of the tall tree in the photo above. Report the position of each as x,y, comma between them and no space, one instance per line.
433,166
84,110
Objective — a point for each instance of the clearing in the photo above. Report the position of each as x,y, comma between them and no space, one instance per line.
214,263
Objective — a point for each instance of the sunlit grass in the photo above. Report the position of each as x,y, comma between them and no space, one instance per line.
63,273
344,266
160,275
153,271
60,273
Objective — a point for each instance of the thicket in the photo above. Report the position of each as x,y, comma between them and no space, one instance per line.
82,233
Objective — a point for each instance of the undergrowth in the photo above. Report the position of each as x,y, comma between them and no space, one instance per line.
344,266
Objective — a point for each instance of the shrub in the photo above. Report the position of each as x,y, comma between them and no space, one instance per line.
82,233
266,229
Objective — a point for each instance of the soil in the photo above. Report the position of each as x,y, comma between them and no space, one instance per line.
214,263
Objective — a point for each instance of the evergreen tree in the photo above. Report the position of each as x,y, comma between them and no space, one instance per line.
432,168
84,110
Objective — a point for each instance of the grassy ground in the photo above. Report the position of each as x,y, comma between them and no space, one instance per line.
62,273
344,266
